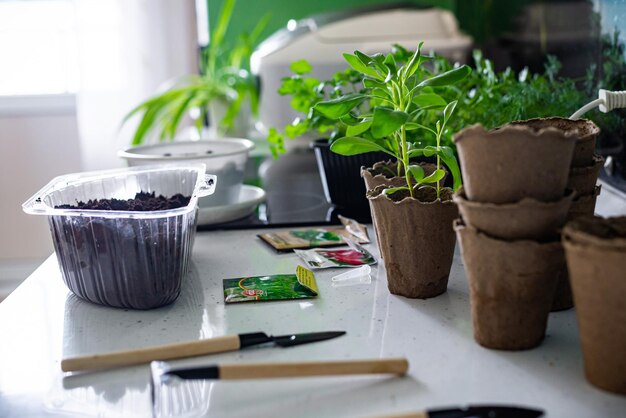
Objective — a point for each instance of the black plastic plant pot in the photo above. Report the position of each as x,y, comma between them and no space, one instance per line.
342,182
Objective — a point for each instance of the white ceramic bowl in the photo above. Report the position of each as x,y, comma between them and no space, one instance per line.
226,158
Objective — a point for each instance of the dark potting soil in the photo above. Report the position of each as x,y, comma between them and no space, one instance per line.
125,262
602,228
142,202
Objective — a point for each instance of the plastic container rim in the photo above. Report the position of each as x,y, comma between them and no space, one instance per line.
35,205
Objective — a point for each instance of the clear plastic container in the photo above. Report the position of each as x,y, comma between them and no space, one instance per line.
125,259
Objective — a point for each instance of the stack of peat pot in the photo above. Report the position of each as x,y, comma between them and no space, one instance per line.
583,176
514,201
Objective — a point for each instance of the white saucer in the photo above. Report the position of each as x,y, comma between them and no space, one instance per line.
249,198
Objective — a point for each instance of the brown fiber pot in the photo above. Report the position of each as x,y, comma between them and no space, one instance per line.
416,241
381,174
563,299
585,131
583,179
511,284
508,164
596,258
584,206
527,219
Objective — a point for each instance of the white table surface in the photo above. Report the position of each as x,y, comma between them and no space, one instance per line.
42,322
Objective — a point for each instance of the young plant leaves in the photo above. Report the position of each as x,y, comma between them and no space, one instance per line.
416,172
359,66
435,177
449,77
386,121
431,101
357,130
356,145
336,108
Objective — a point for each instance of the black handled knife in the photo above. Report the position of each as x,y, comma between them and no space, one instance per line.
191,349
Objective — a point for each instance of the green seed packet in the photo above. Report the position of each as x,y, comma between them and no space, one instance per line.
317,237
301,285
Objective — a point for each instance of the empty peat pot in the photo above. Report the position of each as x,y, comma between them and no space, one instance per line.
511,285
583,179
510,163
595,249
527,219
416,240
586,133
585,205
123,258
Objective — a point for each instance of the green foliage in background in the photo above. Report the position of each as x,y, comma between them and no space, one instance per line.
224,77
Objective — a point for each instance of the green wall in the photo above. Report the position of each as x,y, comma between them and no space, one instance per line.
247,12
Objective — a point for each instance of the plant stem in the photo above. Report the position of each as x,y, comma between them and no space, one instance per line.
405,159
438,161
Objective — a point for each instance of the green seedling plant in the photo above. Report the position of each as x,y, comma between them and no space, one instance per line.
399,99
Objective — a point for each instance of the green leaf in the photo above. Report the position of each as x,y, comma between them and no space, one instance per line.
430,100
372,84
435,177
336,108
414,62
386,121
359,66
410,126
449,159
392,190
449,77
447,112
301,67
357,130
416,172
356,145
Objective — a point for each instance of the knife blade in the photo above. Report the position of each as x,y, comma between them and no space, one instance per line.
474,411
191,349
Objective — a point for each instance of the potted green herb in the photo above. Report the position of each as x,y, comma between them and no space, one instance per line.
222,89
415,218
339,174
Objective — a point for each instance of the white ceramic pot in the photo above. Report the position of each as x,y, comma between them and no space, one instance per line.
226,158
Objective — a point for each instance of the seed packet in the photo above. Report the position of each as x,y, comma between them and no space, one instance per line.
301,285
319,258
317,237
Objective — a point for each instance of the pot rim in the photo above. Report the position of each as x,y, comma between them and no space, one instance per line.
598,162
588,196
406,200
594,129
135,153
527,202
574,234
478,130
459,225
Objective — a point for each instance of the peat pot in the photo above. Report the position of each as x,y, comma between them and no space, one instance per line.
416,240
123,258
585,131
583,179
596,259
510,163
585,205
512,285
527,219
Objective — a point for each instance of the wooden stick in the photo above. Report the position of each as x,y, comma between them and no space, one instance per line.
146,355
397,366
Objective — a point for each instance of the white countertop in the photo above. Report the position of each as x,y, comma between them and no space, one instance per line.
41,322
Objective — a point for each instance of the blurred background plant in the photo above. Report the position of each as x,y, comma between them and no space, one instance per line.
224,80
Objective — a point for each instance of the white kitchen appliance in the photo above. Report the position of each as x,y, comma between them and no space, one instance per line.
323,39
